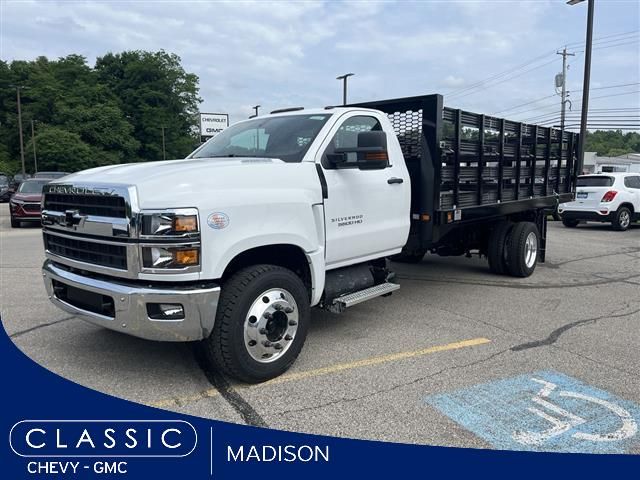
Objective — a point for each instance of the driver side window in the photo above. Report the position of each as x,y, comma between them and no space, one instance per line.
347,137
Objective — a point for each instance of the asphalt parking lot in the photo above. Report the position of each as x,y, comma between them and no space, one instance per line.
400,368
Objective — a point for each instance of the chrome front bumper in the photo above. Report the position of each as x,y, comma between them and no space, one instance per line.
130,305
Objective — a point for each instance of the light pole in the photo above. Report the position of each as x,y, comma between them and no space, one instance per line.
24,172
33,142
164,151
344,85
586,81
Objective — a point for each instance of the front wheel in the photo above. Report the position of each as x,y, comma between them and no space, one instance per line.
622,219
523,246
261,323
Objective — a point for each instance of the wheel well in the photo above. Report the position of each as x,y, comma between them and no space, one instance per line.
628,205
287,256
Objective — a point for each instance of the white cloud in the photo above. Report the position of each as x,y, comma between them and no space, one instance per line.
289,53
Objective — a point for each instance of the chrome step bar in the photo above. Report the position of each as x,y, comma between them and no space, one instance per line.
351,299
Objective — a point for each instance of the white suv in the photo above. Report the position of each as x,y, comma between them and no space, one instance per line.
604,197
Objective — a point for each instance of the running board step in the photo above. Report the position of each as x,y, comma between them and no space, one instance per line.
354,298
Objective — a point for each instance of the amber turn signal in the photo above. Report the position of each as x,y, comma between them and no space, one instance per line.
186,257
186,223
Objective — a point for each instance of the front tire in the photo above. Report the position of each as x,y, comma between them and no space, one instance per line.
523,246
261,323
622,219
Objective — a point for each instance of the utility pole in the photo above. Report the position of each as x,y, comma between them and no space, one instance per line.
33,142
24,171
563,104
164,151
344,85
586,81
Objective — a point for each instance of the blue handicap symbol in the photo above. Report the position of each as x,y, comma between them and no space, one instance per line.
544,411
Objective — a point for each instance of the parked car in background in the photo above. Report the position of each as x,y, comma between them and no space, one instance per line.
5,192
604,197
25,203
17,179
50,174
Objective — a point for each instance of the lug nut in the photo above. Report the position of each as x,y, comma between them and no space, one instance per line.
288,337
266,343
278,307
288,310
267,315
262,331
277,346
292,322
252,343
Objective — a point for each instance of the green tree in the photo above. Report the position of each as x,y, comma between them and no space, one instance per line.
154,91
60,150
116,117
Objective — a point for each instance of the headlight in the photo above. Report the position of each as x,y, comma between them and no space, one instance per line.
16,202
178,222
170,257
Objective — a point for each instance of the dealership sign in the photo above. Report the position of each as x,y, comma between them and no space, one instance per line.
213,123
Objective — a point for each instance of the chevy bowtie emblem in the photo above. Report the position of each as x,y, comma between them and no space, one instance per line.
72,217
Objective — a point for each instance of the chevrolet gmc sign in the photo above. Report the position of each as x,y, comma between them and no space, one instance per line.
213,123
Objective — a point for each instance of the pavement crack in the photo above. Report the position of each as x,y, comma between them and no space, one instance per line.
520,286
226,390
555,335
396,386
38,327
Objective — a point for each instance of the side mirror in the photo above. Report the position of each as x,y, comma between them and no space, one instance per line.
371,152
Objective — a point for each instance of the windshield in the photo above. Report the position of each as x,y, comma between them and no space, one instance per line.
287,138
32,187
599,181
4,180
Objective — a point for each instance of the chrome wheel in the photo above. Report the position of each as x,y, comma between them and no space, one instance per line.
271,325
531,250
624,219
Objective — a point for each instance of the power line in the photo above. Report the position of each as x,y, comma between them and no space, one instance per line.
551,96
458,96
603,40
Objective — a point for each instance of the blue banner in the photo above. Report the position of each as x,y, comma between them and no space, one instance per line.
56,428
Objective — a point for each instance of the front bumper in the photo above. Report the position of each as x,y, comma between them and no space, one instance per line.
129,304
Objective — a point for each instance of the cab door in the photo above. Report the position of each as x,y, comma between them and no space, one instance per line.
366,210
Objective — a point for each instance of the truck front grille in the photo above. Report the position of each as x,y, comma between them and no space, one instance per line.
99,205
106,255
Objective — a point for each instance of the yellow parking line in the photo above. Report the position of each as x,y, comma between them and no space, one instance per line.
367,362
340,367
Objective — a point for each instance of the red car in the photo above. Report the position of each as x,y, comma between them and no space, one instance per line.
25,203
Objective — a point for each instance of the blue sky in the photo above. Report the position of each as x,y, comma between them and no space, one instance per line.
280,54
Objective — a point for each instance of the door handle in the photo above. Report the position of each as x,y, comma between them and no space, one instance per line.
393,180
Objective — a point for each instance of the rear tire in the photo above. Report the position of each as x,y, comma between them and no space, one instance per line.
496,248
622,219
15,223
413,257
242,314
570,223
523,246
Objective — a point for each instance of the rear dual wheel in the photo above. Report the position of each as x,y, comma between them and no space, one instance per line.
514,248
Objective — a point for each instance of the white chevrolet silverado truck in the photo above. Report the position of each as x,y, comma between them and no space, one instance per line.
233,245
